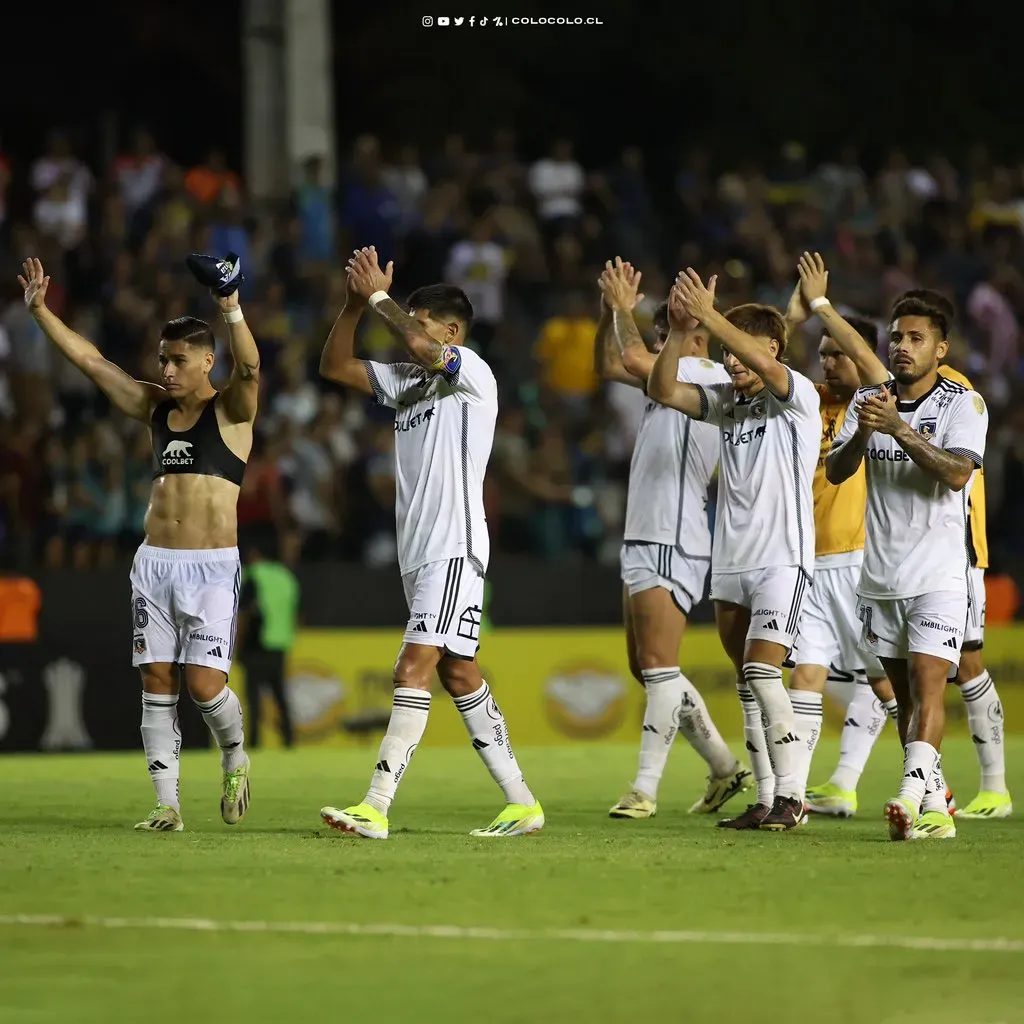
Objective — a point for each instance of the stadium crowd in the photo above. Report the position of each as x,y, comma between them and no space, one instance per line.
526,241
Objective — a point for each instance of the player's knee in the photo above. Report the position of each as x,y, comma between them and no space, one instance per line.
414,669
159,678
459,676
809,678
650,656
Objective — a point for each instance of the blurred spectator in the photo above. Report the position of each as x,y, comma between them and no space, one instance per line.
139,174
406,181
556,183
207,181
59,164
479,266
315,204
565,352
370,212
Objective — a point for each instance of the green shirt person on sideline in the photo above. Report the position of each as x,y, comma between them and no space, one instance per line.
269,606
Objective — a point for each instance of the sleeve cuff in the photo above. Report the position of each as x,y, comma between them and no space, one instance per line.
378,391
704,408
967,454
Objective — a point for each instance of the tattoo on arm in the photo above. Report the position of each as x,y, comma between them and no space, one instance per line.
248,371
626,332
842,463
948,468
425,348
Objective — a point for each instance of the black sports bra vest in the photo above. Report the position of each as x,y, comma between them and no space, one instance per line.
200,450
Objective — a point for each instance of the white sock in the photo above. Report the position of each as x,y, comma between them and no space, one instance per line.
935,790
864,722
699,731
223,717
757,746
918,765
985,720
765,683
489,733
161,740
808,712
664,688
410,709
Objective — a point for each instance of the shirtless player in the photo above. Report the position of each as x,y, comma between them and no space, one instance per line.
185,577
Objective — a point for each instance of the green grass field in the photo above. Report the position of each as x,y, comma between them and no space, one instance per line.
838,890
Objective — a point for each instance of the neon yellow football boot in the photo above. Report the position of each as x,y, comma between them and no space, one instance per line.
634,805
515,820
162,819
359,820
829,799
234,794
988,805
934,825
722,789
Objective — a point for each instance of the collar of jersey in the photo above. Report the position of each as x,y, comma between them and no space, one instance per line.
903,406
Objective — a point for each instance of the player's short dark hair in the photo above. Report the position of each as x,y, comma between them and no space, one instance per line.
189,329
866,328
930,297
661,318
442,301
916,307
760,321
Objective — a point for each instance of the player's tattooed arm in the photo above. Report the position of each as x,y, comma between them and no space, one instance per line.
631,350
620,349
427,351
842,462
952,468
241,395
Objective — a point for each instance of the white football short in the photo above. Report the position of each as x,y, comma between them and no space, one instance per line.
927,624
185,606
974,634
829,631
645,566
445,602
774,596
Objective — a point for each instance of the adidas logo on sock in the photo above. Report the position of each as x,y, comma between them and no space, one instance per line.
479,744
852,722
214,652
383,766
790,737
649,728
951,642
772,625
158,766
420,627
751,747
915,774
978,739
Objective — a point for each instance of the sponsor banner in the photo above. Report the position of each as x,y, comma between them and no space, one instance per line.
554,686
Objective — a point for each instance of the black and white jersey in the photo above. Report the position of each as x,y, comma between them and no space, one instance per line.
444,430
915,526
769,450
673,462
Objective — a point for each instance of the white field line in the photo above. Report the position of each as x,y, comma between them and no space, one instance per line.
842,940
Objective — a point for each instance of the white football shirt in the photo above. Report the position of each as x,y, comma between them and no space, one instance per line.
768,453
673,462
444,429
916,527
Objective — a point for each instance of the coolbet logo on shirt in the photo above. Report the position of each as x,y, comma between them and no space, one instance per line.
178,453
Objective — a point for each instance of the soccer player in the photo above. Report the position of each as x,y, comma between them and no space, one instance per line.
185,577
763,552
829,631
924,439
666,553
446,404
981,699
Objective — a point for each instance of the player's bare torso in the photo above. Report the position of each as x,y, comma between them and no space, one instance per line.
192,511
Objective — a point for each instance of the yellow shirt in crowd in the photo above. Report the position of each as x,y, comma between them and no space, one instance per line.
565,351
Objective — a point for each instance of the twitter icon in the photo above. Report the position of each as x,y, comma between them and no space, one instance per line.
459,21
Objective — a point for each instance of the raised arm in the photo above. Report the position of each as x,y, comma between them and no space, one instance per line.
624,356
134,398
241,395
372,283
813,285
847,449
338,361
663,385
700,304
